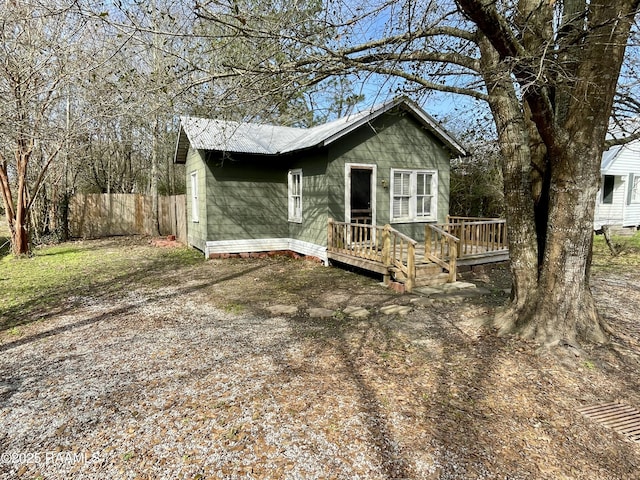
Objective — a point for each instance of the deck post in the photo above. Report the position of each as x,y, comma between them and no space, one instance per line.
427,242
462,245
330,234
453,265
386,252
411,267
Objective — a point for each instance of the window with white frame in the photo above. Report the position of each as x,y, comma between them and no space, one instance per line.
413,195
424,194
195,217
295,195
635,188
608,186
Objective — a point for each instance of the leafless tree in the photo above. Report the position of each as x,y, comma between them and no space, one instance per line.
37,60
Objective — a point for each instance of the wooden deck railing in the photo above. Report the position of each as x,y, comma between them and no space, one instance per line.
442,248
384,249
356,240
379,244
478,235
402,255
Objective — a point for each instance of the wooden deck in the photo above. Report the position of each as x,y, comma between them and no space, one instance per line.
384,250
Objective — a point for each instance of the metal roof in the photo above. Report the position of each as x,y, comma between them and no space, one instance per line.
609,156
259,139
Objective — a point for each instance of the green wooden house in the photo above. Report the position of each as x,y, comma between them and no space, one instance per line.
257,188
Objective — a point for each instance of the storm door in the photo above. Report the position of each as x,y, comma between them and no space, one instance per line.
361,200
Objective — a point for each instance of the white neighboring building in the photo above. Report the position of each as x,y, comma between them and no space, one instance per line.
618,202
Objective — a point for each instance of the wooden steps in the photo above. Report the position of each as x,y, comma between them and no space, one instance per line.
387,251
427,274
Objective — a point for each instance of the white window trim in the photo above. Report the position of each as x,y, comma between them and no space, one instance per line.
295,217
413,198
347,188
195,206
602,192
635,192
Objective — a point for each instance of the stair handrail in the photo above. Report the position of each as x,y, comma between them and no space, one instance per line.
448,254
395,255
355,239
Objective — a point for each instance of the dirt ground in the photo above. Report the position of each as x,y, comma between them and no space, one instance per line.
190,376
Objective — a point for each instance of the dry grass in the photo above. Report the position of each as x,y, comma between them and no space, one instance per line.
182,373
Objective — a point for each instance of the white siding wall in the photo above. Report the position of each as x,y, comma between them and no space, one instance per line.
628,160
619,212
611,213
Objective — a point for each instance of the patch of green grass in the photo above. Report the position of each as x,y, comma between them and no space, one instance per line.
53,276
15,331
628,256
5,234
233,308
127,456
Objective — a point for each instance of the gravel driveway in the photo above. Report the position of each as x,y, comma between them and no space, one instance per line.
151,387
166,383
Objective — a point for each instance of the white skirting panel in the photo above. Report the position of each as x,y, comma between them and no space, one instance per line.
266,245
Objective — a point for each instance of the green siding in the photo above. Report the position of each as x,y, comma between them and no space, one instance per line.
313,228
392,141
246,197
196,231
246,200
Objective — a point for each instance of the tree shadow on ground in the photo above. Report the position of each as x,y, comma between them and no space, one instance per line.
462,403
383,368
66,294
435,397
105,290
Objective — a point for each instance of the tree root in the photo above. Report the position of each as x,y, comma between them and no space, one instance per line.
533,321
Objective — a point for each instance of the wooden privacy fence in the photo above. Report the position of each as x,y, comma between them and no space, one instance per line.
103,215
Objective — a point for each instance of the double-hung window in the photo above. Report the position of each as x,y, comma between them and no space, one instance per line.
195,208
413,195
424,194
401,194
295,195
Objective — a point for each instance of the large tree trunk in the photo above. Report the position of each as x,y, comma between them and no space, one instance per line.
20,224
563,309
17,213
20,236
516,169
570,108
